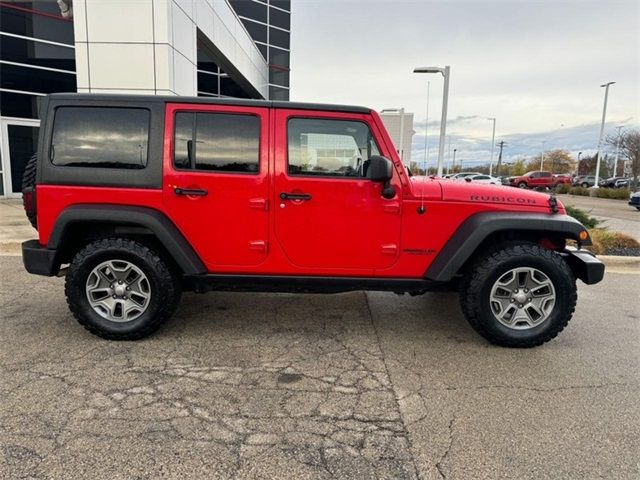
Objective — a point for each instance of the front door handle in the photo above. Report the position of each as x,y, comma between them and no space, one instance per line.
197,192
295,196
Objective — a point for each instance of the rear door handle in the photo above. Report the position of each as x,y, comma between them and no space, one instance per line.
295,196
197,192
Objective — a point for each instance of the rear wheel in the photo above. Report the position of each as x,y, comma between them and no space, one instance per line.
585,185
519,295
120,289
522,185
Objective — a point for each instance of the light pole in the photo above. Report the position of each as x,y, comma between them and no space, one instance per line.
493,141
604,114
453,164
578,165
449,155
615,163
542,157
426,137
445,100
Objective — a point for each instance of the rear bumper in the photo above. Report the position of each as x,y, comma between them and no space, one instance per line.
39,260
585,266
634,201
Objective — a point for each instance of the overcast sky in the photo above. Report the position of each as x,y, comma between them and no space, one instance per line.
535,66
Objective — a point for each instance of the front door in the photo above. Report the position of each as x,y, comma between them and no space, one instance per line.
19,143
329,217
216,181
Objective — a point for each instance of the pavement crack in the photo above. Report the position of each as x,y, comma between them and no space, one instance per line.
404,431
440,463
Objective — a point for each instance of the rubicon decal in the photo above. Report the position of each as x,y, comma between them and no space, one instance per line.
500,199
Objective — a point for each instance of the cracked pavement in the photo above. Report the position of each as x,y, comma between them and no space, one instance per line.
315,386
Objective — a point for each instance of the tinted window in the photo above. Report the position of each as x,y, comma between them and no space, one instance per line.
336,148
279,76
20,50
217,142
15,77
100,137
47,27
279,38
19,105
279,18
545,174
249,9
277,93
257,31
279,57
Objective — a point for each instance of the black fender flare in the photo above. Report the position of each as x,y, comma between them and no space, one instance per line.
155,221
475,229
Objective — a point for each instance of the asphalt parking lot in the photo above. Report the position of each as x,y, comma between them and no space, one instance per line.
341,386
615,215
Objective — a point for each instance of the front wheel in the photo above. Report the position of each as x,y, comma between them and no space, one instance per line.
519,295
585,185
522,185
120,289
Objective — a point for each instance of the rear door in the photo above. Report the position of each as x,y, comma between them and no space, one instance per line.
216,181
330,218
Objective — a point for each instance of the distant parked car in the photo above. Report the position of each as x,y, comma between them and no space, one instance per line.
622,183
463,175
611,182
539,179
634,200
586,181
506,180
562,179
487,179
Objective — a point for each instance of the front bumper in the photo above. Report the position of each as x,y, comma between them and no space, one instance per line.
635,201
39,260
585,265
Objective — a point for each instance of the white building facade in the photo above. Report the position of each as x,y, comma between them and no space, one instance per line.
399,124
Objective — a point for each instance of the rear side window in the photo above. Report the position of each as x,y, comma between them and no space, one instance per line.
100,137
221,142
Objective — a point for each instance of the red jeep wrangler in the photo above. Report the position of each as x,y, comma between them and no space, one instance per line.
137,198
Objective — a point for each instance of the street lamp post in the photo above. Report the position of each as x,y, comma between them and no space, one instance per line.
578,164
445,100
604,114
542,157
615,162
493,141
453,164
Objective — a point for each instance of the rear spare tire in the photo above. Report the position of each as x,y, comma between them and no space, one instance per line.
28,190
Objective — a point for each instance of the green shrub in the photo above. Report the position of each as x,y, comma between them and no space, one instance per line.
582,216
615,193
563,188
584,192
604,241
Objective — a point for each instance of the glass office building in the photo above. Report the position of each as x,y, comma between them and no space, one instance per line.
232,48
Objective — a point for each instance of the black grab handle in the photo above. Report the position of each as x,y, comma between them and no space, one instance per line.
295,196
190,191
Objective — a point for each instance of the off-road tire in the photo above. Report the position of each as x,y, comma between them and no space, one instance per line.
29,181
164,286
489,267
522,185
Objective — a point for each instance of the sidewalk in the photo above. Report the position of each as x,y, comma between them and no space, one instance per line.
14,226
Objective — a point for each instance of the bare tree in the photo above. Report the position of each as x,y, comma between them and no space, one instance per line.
629,152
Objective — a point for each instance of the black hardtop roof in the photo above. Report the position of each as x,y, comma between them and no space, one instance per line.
210,101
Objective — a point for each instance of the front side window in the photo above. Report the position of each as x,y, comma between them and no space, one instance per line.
221,142
100,137
329,148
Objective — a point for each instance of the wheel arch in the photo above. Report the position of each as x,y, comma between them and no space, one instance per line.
78,223
485,229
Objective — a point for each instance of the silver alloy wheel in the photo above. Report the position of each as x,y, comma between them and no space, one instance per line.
118,290
522,298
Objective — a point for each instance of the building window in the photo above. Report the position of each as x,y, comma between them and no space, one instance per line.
15,77
19,105
279,38
329,148
278,93
250,9
257,31
31,52
36,19
278,18
100,137
219,142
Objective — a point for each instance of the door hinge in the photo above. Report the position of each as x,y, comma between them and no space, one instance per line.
393,208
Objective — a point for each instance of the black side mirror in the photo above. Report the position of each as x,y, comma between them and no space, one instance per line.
381,170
